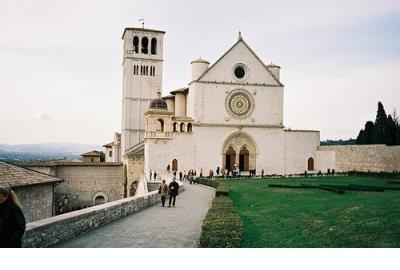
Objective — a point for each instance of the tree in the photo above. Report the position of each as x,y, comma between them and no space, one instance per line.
391,131
360,138
365,135
379,135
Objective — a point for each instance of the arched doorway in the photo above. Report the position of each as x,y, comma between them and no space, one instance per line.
241,149
230,158
244,159
174,165
310,164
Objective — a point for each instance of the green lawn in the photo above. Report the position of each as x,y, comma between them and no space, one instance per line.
280,217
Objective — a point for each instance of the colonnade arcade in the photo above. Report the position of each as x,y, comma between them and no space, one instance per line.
239,149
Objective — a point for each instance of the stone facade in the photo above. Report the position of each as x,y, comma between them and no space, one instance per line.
86,184
37,201
374,158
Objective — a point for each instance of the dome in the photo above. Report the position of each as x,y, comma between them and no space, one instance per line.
158,103
199,60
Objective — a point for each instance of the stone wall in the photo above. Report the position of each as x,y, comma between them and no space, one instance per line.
36,201
50,231
375,157
83,182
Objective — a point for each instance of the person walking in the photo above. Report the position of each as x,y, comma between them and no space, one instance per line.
180,176
163,191
12,220
217,171
155,175
173,192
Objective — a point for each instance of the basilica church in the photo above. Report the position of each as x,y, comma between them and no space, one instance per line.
229,114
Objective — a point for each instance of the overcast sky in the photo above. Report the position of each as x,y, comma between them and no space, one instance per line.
61,73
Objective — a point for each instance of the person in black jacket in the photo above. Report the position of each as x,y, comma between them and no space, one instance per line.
12,220
173,192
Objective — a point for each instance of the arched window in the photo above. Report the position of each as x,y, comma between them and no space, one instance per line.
174,165
145,45
189,127
175,127
182,129
135,44
153,46
110,154
99,200
160,125
310,164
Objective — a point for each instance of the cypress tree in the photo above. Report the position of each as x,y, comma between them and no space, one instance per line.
368,132
391,131
379,135
360,137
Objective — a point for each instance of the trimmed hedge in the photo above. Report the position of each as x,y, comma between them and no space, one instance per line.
222,226
376,174
207,182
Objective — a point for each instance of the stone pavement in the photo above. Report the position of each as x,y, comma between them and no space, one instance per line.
154,227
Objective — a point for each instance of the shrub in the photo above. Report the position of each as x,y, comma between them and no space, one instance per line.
207,182
222,226
222,189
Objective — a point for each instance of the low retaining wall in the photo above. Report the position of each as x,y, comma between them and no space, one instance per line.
50,231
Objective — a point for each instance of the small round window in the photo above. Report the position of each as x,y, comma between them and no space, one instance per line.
240,72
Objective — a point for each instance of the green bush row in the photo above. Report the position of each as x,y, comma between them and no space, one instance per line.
207,182
376,174
222,226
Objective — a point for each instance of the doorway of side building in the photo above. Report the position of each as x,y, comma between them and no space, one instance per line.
310,164
175,165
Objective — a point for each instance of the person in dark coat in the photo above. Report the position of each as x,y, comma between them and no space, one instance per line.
173,192
12,220
163,191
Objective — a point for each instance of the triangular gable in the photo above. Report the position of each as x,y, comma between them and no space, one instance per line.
240,52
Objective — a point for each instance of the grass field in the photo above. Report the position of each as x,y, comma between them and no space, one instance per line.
281,217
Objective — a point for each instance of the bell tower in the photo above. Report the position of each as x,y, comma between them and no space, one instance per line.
142,78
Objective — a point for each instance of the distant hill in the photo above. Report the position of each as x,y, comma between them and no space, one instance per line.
339,142
45,151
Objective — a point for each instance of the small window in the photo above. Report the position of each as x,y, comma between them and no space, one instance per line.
189,127
110,154
153,46
182,129
175,127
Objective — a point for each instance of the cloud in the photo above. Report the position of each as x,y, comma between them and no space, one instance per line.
40,116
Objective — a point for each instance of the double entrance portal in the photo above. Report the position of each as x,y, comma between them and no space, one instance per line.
239,150
231,160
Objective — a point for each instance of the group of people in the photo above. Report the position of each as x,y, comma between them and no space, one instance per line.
186,176
234,171
170,190
12,219
153,175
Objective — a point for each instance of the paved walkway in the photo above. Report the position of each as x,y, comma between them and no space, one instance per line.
155,226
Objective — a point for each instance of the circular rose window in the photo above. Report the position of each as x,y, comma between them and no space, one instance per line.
239,104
